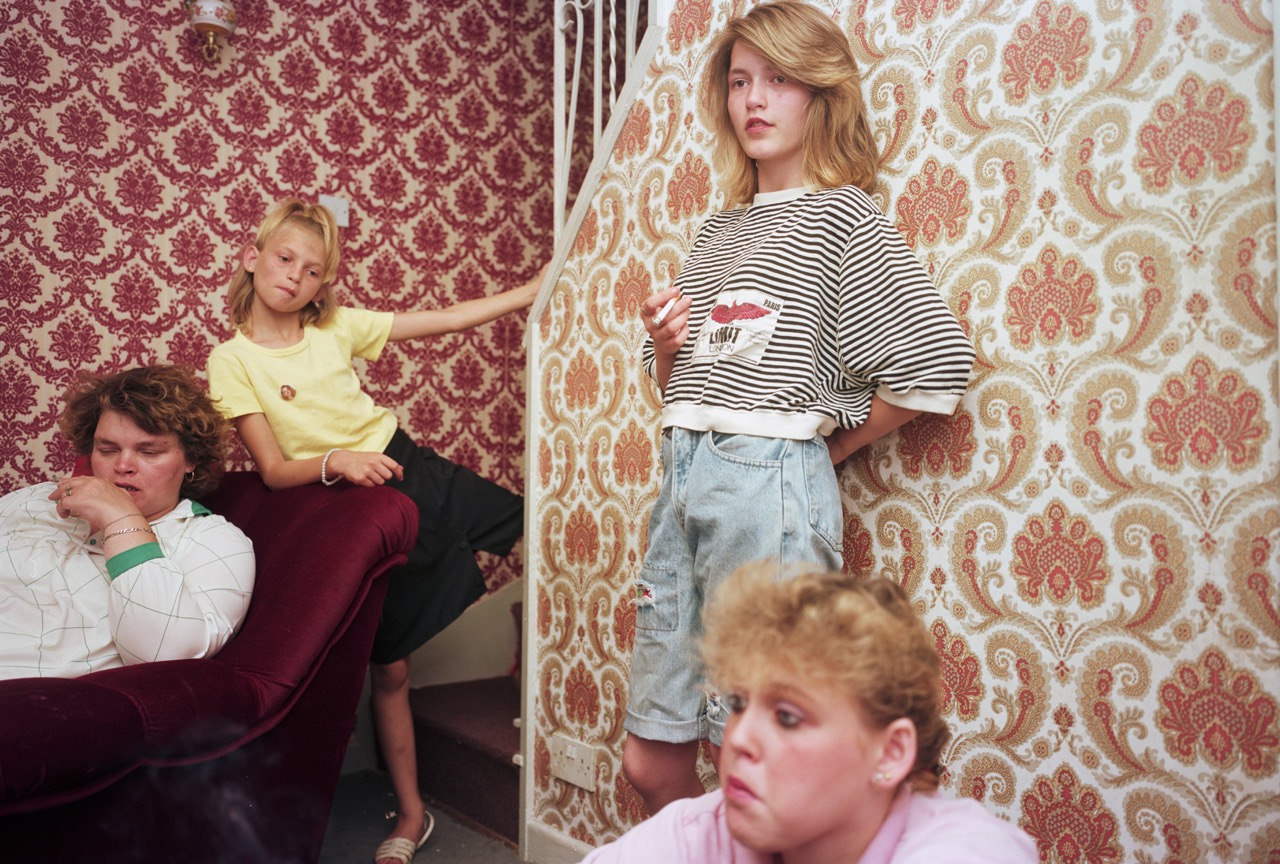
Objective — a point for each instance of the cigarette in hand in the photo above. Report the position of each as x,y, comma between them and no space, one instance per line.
662,313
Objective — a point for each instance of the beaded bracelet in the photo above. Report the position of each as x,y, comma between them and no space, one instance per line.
126,531
324,468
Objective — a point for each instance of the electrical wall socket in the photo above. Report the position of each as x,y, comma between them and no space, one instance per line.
573,762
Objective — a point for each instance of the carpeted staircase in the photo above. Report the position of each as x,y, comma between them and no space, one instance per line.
466,738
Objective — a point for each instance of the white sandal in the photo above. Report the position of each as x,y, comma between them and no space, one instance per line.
403,849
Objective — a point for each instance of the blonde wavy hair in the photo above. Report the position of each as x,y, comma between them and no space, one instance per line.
315,218
860,635
809,49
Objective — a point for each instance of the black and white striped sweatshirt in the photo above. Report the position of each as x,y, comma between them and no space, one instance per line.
804,306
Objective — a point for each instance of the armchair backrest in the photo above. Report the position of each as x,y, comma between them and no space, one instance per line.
307,540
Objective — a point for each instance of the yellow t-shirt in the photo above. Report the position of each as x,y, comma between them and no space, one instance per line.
309,392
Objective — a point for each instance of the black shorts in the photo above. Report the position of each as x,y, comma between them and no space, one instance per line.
459,512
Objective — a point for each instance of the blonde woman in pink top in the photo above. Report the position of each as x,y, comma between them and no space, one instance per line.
831,749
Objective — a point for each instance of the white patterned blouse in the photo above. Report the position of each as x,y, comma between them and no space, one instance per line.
66,609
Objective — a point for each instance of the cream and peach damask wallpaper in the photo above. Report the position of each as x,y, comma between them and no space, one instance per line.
1093,537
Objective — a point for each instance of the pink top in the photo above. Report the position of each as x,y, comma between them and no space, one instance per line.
920,829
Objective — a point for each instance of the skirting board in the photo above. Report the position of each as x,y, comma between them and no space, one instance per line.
545,846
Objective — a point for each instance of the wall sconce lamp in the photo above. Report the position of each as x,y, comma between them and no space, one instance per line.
212,18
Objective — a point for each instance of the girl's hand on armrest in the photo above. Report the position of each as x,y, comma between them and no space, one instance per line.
364,469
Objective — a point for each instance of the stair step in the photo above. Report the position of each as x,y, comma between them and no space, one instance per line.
466,740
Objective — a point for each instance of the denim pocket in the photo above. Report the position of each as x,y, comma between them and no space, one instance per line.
826,511
748,449
657,600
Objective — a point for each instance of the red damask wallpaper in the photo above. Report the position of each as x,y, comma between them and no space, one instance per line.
1094,536
133,170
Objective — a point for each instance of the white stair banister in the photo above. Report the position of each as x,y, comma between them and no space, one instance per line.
605,45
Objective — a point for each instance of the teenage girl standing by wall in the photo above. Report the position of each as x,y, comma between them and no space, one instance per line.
801,328
286,378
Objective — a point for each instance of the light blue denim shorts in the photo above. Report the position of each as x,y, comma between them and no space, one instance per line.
726,500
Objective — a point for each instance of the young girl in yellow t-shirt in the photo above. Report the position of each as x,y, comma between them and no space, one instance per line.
286,379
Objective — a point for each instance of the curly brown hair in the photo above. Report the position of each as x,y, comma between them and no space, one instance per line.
861,635
160,399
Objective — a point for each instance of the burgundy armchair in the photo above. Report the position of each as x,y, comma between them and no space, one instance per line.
233,758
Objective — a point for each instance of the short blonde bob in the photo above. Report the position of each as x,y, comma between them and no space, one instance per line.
861,636
809,49
312,217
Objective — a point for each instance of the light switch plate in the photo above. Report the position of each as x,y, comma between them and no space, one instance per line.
339,207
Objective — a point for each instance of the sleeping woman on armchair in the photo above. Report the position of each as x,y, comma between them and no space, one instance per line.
119,565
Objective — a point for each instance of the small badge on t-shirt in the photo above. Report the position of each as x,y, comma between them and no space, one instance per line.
741,325
287,392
